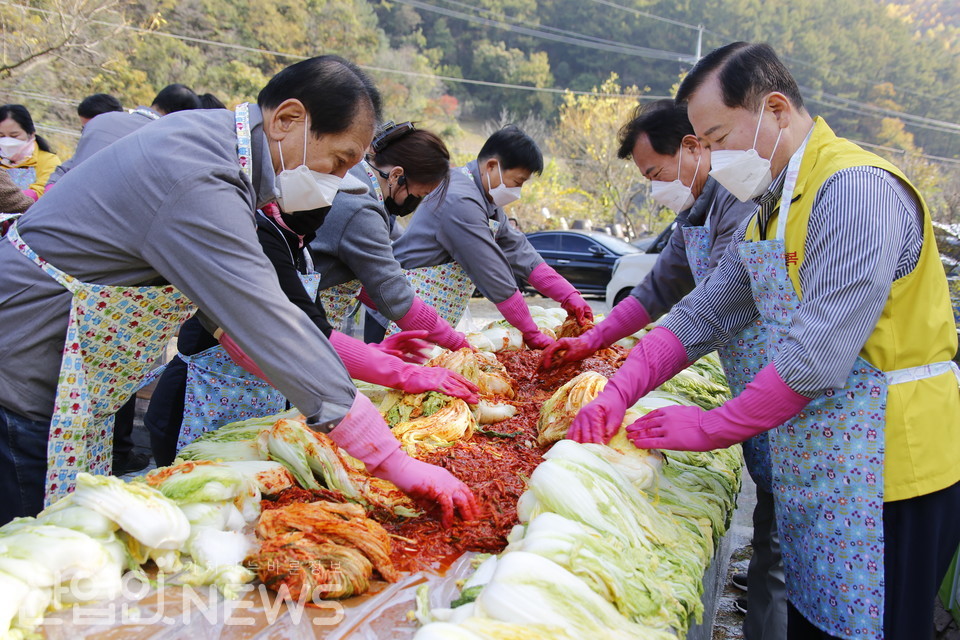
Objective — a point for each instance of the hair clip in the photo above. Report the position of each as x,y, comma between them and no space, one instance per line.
390,132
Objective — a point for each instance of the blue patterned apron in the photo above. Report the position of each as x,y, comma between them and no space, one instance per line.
218,390
828,464
114,336
742,358
23,177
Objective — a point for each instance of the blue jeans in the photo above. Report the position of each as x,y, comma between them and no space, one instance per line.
23,465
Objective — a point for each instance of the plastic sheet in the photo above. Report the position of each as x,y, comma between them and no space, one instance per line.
174,612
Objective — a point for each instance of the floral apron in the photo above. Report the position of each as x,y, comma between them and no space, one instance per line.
827,464
218,390
742,358
114,336
445,287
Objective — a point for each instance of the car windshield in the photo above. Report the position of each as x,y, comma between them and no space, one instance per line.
616,245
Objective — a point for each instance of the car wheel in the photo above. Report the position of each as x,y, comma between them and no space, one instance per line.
621,296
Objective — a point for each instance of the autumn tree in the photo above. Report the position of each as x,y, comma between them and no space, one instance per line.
585,142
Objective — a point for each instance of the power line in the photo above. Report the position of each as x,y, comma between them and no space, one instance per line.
42,97
867,109
645,14
540,26
909,117
415,74
918,121
863,112
904,152
642,52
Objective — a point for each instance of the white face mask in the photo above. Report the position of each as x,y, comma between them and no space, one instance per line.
302,189
12,148
502,195
675,195
744,173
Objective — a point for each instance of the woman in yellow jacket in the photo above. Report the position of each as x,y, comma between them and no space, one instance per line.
24,155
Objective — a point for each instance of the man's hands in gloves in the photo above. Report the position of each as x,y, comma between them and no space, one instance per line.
365,436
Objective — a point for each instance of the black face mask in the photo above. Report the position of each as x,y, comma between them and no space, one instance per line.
405,208
304,222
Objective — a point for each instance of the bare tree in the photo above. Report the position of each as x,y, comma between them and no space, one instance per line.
38,33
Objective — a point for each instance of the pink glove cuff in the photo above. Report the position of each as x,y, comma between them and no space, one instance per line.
655,359
424,317
766,403
30,193
547,281
367,363
516,312
240,357
626,318
365,298
365,435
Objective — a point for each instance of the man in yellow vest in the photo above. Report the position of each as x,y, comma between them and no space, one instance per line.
856,386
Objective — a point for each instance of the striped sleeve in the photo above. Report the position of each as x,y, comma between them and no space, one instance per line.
718,308
865,231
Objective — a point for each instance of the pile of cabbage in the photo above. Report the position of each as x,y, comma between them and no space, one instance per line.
187,519
313,459
613,541
502,336
602,549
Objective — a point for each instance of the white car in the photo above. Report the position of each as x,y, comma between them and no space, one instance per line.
634,267
627,273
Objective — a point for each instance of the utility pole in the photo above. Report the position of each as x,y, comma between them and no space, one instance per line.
699,41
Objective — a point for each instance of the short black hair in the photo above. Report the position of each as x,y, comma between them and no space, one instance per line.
210,101
96,104
747,72
665,122
333,91
176,97
514,149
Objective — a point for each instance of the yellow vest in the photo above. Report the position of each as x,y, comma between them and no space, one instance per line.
922,439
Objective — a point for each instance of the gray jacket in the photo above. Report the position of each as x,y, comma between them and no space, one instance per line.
102,131
354,243
466,228
167,203
671,279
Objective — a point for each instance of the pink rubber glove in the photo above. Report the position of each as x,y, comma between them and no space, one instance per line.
627,317
515,310
657,357
424,317
547,281
409,346
766,403
238,355
365,436
30,193
366,363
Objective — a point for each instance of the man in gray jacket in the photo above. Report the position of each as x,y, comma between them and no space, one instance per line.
466,224
174,203
98,133
102,131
